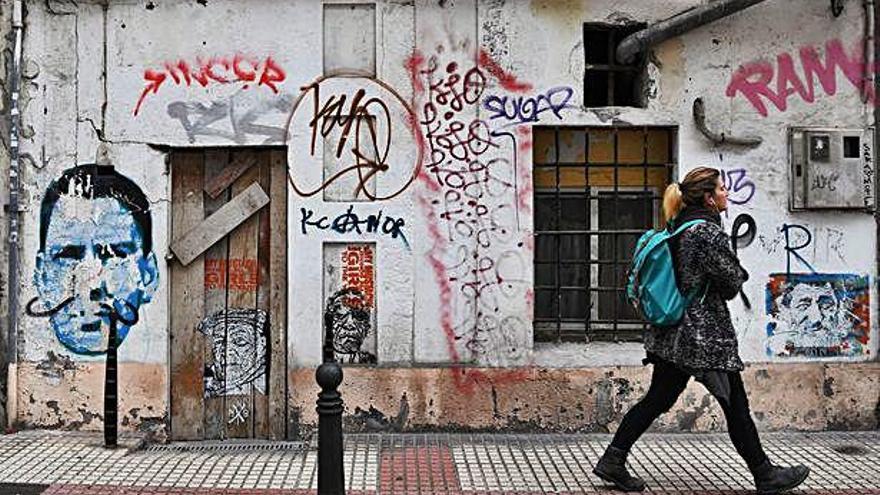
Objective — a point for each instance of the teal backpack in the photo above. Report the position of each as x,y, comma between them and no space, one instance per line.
650,285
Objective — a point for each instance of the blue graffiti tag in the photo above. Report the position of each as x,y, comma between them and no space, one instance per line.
521,110
349,221
741,188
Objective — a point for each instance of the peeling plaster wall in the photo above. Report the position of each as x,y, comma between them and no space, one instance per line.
782,396
429,315
59,393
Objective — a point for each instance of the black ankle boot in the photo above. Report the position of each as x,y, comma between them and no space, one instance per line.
775,479
612,468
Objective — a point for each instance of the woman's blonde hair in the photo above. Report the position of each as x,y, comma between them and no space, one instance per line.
690,191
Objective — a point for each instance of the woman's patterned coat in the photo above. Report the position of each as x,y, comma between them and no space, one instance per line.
705,338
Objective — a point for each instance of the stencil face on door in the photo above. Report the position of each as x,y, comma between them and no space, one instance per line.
238,342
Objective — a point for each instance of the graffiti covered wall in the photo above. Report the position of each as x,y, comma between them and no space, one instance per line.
410,137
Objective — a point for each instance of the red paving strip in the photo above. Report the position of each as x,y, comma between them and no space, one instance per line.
418,470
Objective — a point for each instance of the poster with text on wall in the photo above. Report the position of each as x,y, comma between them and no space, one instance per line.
350,301
818,315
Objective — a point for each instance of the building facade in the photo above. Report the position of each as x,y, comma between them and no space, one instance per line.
446,192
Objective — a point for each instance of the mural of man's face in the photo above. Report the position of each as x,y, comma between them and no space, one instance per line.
813,308
93,256
350,323
238,342
245,355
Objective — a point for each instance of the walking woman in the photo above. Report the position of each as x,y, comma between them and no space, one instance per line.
703,345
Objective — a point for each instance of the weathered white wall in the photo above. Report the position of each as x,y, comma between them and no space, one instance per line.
709,57
427,313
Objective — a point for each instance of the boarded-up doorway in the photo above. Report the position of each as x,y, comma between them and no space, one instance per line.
228,293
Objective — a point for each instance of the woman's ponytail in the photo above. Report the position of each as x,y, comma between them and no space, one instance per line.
672,202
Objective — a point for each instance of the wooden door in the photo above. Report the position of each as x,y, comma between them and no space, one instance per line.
228,293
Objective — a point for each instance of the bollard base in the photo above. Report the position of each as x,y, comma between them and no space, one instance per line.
331,476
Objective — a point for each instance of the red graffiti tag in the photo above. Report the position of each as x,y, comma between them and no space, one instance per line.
223,70
754,80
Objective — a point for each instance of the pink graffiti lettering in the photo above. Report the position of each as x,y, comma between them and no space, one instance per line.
753,80
222,70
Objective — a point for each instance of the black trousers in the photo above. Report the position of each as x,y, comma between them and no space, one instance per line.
667,383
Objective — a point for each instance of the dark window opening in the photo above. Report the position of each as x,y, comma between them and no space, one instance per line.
851,147
596,191
607,82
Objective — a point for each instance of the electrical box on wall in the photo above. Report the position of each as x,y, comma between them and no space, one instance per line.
831,168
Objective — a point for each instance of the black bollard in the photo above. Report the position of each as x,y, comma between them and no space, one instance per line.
111,399
331,476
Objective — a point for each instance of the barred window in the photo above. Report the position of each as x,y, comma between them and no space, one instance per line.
596,191
607,82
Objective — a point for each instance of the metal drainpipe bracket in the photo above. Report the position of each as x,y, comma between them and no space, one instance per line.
719,138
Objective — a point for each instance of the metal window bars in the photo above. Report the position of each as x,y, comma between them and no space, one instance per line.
606,81
597,189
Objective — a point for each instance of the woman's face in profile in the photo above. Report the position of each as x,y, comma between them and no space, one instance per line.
718,197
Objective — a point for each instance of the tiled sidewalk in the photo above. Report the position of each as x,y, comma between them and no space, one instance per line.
56,463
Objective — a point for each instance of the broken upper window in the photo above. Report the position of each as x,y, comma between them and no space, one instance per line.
606,81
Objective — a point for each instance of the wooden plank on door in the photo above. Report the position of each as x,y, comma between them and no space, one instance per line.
243,205
187,346
261,397
242,294
220,182
278,295
216,160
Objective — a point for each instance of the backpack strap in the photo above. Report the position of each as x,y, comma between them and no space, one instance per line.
686,226
655,241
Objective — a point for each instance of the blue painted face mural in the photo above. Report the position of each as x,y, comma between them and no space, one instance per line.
818,314
95,262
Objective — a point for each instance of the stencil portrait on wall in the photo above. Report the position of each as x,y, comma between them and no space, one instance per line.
348,319
95,260
238,345
350,308
818,315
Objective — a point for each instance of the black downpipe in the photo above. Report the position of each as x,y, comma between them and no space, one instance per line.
10,358
677,25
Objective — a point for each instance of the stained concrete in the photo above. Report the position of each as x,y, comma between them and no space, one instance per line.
591,399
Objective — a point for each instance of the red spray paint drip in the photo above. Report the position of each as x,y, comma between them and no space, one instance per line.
413,65
507,80
464,379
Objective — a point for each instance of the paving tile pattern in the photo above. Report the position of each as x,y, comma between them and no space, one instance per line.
69,463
